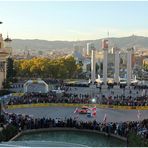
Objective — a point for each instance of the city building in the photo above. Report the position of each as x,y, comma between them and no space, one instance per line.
5,53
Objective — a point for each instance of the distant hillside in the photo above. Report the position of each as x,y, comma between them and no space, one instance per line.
123,42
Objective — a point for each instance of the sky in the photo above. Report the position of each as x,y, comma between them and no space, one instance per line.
75,20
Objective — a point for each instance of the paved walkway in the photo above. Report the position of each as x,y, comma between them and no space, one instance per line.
66,112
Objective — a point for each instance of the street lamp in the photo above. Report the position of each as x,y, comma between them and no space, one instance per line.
93,100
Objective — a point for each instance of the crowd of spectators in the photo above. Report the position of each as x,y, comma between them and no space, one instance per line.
72,95
24,122
123,101
51,97
30,98
54,81
76,85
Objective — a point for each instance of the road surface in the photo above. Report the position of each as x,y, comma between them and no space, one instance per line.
62,112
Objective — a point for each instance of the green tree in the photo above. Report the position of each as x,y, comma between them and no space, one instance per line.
63,67
10,72
71,67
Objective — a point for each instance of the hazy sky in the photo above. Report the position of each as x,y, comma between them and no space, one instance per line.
73,20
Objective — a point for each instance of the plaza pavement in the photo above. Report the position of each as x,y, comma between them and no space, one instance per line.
66,112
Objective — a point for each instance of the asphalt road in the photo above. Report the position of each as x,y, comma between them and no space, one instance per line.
62,112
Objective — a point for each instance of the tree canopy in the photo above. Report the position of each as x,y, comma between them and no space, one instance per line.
145,66
63,67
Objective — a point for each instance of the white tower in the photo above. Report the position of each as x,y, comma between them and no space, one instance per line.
93,63
117,62
105,48
129,65
88,50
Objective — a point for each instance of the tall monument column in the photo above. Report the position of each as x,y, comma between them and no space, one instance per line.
129,65
117,62
105,49
88,49
93,63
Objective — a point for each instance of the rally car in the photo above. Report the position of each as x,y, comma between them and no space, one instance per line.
83,110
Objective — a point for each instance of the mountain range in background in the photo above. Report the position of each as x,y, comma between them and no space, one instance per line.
139,42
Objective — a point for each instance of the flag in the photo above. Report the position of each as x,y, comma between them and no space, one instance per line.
138,114
105,118
76,110
76,116
143,93
94,108
94,113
